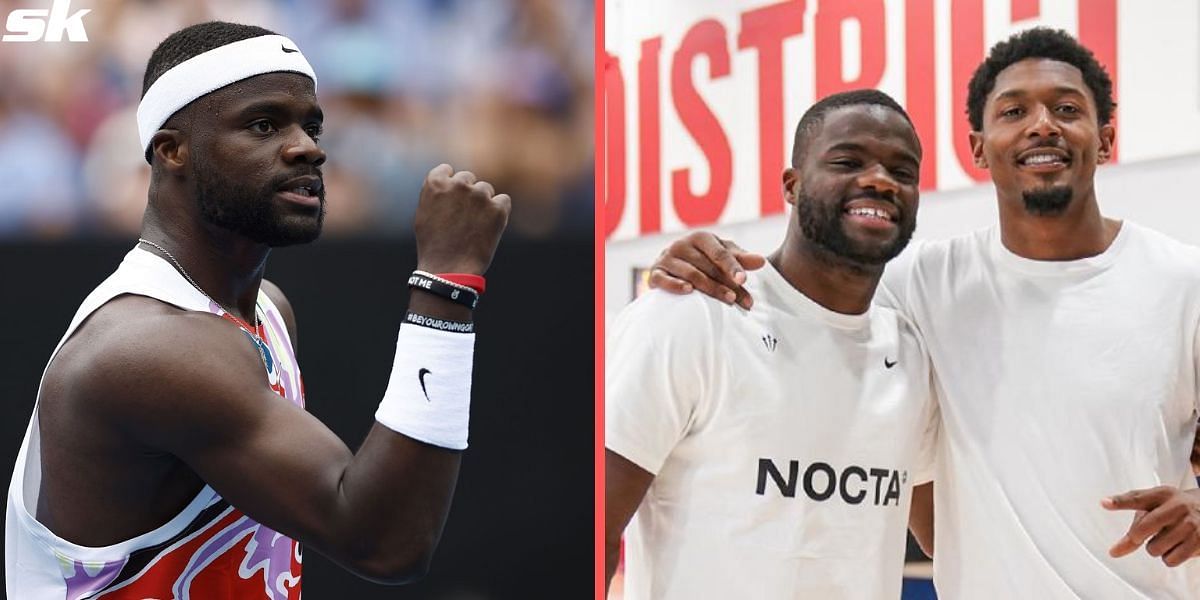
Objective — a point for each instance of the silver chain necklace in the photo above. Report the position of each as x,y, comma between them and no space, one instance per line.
188,277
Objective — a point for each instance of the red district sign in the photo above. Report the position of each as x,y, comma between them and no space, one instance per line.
763,31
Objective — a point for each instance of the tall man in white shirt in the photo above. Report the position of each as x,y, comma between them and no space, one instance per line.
1065,348
781,444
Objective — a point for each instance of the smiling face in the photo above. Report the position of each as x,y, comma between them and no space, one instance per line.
1041,137
856,187
255,162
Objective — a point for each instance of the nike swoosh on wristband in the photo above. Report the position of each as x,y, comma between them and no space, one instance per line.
888,363
286,49
421,376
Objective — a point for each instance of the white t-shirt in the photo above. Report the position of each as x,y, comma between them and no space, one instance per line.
1059,383
784,441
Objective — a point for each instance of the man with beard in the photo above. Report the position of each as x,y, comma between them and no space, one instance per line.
1065,349
780,444
161,461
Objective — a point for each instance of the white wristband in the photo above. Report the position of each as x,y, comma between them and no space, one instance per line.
428,396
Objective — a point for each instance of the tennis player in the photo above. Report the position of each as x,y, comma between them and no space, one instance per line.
169,454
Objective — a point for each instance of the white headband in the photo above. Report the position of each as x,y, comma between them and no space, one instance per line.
205,73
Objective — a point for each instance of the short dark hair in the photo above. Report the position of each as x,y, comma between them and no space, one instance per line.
1039,42
194,41
815,115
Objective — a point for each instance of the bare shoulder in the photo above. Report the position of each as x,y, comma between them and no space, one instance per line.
154,370
285,307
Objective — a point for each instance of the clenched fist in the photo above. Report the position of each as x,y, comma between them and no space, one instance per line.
458,223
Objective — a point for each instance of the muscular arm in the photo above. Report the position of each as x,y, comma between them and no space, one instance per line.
198,392
920,517
193,386
625,485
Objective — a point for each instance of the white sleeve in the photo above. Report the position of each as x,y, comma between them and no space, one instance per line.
897,275
927,450
659,362
925,459
1196,368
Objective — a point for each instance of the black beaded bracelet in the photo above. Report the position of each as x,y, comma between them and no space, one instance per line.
438,287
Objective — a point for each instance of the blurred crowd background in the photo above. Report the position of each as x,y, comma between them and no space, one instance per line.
499,87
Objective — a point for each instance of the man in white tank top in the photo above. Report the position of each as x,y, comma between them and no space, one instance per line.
1066,352
771,453
169,454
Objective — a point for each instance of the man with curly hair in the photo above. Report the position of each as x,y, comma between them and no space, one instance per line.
1066,351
